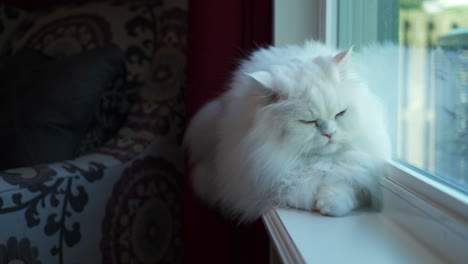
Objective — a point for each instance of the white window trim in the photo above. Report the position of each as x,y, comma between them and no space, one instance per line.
430,191
283,245
435,216
318,24
431,212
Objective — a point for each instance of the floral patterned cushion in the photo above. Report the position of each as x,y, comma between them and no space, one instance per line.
70,29
10,20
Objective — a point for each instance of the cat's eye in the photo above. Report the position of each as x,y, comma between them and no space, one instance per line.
309,122
340,113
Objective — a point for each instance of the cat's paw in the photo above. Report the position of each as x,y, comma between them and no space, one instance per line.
335,201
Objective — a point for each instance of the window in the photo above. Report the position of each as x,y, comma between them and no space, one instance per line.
424,69
433,108
423,79
427,65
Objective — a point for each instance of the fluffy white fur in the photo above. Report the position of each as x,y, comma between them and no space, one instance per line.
265,142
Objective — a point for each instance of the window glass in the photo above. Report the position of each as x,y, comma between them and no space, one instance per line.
432,114
420,69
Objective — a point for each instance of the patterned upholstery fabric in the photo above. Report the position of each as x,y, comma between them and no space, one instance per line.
120,203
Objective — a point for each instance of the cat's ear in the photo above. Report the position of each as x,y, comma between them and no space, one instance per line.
262,77
342,59
343,56
266,94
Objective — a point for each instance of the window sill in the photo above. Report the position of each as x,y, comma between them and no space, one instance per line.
409,229
363,237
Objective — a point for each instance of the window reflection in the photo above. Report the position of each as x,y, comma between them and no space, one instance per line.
433,90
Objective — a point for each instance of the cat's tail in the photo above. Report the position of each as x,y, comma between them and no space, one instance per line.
201,134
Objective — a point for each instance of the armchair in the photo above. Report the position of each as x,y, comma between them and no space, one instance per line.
120,200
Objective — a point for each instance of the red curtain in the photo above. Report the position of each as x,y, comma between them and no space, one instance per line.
220,33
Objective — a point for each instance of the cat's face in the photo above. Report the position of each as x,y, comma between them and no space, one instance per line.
311,106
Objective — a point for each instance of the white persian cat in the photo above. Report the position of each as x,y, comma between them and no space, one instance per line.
297,128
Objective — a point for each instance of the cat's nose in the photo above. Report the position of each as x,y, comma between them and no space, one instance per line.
328,135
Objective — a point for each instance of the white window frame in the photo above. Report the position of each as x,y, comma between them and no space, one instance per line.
428,210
